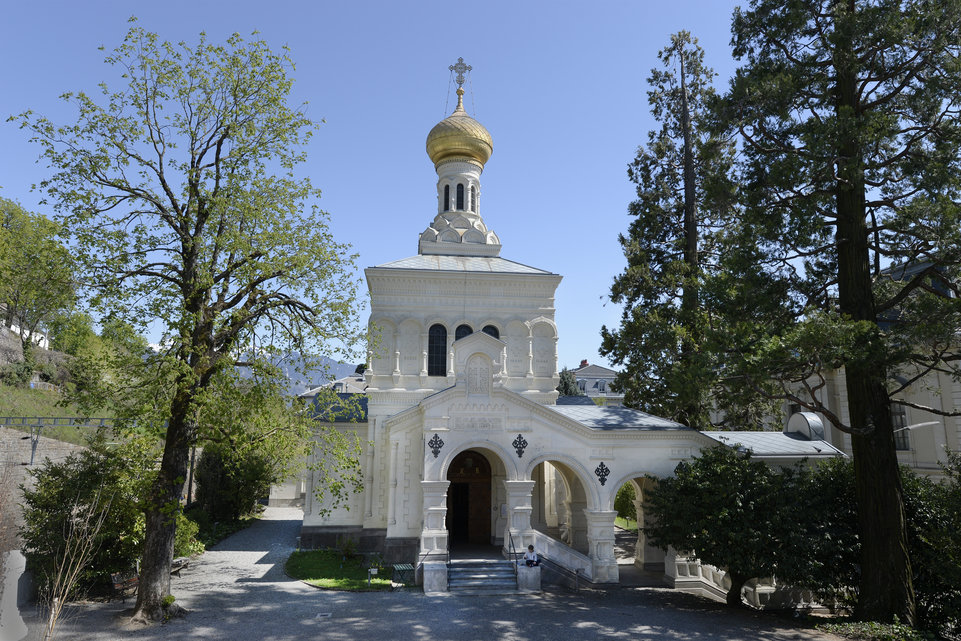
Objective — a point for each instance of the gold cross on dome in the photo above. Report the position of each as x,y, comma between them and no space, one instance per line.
460,68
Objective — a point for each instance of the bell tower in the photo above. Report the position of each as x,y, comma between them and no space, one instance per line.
459,146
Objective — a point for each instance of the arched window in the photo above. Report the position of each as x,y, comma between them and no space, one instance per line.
446,197
437,350
473,199
490,330
462,331
460,196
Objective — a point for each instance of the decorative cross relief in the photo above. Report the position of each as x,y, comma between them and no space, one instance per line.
436,443
602,472
460,68
520,443
478,377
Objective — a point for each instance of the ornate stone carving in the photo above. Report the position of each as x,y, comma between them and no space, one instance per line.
436,443
520,444
478,376
479,423
601,471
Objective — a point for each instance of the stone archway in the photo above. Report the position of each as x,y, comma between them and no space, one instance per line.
469,499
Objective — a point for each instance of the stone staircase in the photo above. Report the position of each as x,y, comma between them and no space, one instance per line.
481,577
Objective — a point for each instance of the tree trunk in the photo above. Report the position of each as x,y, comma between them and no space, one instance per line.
885,588
734,593
161,514
689,296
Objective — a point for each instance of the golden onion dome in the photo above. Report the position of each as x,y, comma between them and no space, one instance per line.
459,137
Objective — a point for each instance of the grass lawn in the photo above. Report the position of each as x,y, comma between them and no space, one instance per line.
328,569
627,524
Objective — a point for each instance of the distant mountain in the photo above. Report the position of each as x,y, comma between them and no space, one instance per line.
300,382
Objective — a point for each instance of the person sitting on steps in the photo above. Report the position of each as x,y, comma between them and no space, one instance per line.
531,559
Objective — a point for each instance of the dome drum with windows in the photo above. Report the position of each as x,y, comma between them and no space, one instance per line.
459,146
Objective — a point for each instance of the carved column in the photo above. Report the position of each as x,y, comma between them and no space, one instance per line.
600,538
519,511
641,539
434,537
392,518
530,354
578,526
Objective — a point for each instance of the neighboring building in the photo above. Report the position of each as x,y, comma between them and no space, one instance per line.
922,438
353,384
595,381
466,442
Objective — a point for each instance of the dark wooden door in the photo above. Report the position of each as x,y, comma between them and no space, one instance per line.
469,499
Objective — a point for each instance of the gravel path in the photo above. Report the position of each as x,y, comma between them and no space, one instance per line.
237,591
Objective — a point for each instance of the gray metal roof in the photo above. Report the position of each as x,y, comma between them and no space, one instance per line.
594,371
614,418
575,400
492,264
776,444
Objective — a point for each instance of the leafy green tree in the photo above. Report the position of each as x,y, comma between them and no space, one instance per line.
683,196
36,272
850,125
624,502
181,195
72,332
568,384
727,509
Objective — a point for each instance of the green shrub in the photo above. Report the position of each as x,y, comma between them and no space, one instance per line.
873,631
933,513
186,541
109,481
229,485
16,374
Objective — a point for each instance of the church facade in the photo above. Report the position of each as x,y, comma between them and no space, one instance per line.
467,443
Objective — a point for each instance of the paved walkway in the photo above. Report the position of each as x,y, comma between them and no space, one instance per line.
238,591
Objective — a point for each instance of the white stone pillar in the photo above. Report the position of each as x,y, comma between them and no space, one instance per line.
519,511
578,526
392,511
641,539
434,536
600,537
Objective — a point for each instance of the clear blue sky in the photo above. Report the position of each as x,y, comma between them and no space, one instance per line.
560,85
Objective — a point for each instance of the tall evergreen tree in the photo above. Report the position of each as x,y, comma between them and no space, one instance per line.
849,114
683,193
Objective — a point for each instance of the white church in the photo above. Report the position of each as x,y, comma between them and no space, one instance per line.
468,444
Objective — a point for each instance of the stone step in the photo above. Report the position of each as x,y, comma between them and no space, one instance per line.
481,577
481,572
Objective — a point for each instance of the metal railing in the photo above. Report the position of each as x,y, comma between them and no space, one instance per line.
576,576
512,551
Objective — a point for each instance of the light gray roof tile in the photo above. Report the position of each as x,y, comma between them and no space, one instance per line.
614,418
493,264
776,444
